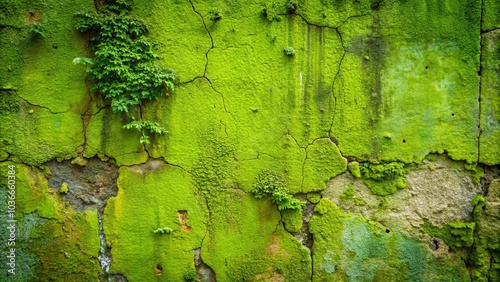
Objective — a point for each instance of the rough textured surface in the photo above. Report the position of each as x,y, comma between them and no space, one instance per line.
53,240
384,121
438,191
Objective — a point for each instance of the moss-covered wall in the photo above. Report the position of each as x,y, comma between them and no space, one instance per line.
385,122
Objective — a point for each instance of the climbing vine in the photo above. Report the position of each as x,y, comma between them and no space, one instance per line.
123,68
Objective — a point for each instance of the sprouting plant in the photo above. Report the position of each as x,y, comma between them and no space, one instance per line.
286,201
37,29
289,51
266,183
215,16
272,12
291,6
164,230
271,183
123,67
142,126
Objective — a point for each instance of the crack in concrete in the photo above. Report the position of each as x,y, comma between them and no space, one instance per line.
337,75
483,32
212,46
209,34
257,157
344,52
35,105
479,73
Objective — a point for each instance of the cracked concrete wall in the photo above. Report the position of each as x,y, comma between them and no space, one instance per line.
371,83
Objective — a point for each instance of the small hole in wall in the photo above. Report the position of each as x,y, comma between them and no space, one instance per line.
387,231
434,244
159,270
404,141
452,115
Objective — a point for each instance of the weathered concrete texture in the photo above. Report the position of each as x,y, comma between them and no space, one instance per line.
437,191
371,82
352,248
54,242
88,186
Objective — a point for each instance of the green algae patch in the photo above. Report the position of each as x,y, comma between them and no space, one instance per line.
384,179
73,242
490,115
185,54
148,200
343,244
52,239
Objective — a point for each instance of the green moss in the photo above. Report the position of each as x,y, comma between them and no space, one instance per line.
490,116
384,179
268,182
456,234
354,169
314,197
64,188
173,204
477,172
57,135
292,219
80,161
359,201
393,71
486,249
323,162
432,157
491,18
348,193
105,136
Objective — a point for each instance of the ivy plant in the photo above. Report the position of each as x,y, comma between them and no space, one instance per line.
123,68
